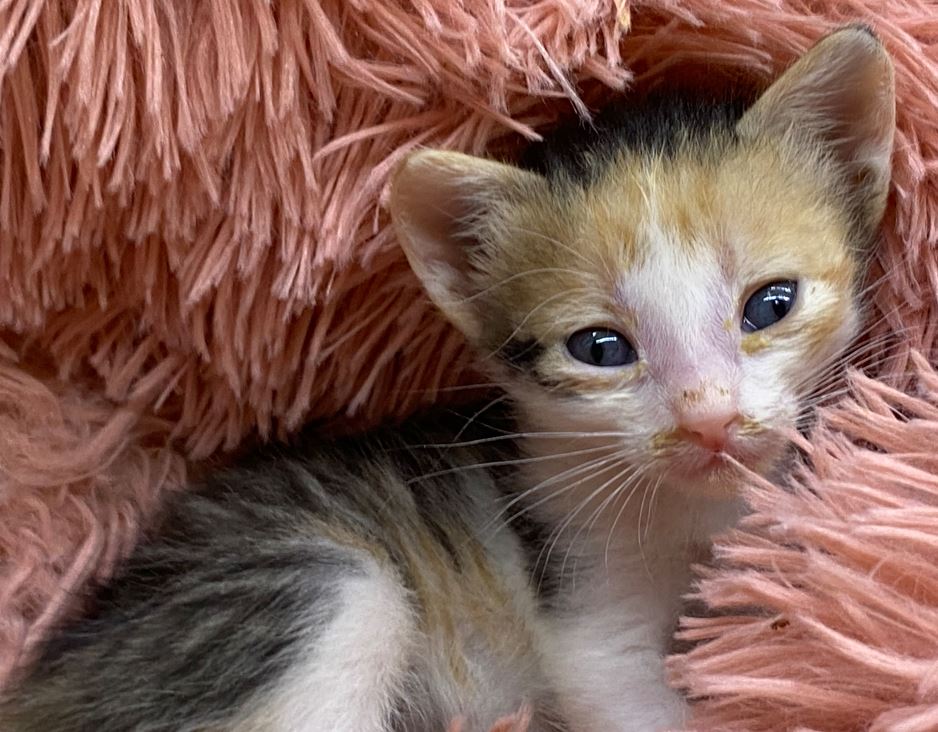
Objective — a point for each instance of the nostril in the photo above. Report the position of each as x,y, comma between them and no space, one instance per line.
710,441
709,431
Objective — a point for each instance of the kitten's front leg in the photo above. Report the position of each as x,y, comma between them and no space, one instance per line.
607,655
610,686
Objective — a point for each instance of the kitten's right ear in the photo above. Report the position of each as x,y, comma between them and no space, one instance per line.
841,94
443,206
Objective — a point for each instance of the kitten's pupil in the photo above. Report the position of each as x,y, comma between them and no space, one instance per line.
601,347
597,350
768,305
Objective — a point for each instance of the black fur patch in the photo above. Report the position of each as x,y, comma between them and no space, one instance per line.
652,125
522,354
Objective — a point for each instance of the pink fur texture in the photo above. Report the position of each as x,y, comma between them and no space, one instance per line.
193,249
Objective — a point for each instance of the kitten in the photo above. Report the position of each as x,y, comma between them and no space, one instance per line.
657,298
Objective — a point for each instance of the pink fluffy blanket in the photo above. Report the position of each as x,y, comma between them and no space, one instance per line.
193,250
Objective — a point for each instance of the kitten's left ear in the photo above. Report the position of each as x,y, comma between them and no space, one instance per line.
445,208
841,93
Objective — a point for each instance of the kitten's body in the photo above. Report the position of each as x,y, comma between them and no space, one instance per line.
536,556
341,572
367,585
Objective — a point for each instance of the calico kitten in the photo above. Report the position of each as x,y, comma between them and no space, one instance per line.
657,300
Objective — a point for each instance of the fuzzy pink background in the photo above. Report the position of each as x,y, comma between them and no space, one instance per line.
193,250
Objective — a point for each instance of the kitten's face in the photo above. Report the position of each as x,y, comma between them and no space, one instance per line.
685,302
622,306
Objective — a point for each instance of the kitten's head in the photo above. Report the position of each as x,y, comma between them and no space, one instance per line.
684,291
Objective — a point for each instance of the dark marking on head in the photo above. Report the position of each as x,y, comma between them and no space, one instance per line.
523,356
520,353
656,124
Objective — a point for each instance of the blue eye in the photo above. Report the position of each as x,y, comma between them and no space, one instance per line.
601,347
768,305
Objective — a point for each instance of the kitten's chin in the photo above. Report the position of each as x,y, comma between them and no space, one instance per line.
719,480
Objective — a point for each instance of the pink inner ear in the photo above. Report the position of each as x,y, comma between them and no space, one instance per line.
434,194
427,202
843,91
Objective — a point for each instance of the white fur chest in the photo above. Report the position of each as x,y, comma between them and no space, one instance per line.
607,640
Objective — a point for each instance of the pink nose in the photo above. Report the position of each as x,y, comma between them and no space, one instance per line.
709,430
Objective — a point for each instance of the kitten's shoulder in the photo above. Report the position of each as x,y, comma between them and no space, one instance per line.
425,451
409,444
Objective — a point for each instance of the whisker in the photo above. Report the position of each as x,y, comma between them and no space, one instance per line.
592,467
547,435
830,379
497,400
641,546
857,357
531,312
651,508
519,275
514,461
556,534
458,387
586,525
612,529
553,240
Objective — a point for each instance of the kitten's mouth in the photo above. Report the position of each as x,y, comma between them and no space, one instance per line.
721,473
716,460
720,470
724,466
711,459
716,475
